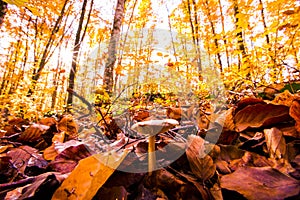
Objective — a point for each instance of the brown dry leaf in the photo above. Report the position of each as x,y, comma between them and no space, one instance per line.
201,164
275,143
246,102
295,113
90,174
289,130
26,156
140,115
229,122
284,98
260,115
261,183
43,187
48,121
174,113
33,133
110,127
68,124
7,170
14,126
70,153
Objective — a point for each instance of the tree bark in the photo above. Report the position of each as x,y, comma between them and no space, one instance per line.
213,30
239,34
3,9
76,48
108,78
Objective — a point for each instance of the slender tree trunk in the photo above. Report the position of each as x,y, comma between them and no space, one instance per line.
262,12
213,30
193,18
108,77
239,34
76,48
3,9
223,32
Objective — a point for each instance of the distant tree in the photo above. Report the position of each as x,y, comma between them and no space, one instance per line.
108,78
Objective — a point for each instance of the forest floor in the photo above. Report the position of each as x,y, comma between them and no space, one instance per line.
248,150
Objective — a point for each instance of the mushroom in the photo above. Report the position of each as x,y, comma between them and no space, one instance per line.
151,128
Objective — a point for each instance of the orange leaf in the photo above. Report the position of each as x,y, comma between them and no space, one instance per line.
90,174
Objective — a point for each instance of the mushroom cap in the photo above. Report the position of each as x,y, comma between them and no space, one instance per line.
153,127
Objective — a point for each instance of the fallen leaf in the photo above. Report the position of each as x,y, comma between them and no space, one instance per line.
33,133
69,157
260,183
7,170
201,164
26,156
284,98
295,113
51,152
68,124
90,174
275,143
43,187
260,115
14,126
174,113
246,102
229,122
141,114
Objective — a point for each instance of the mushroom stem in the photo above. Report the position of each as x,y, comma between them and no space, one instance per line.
151,154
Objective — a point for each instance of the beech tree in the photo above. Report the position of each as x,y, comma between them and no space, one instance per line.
108,78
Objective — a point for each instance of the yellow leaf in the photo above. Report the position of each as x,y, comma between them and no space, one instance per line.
159,54
89,175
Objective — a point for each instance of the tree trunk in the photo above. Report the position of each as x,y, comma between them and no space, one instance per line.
213,30
76,48
223,32
108,78
3,9
239,34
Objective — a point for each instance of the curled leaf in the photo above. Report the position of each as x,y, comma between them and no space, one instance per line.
260,115
275,143
201,164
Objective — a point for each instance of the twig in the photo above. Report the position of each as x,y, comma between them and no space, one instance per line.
90,107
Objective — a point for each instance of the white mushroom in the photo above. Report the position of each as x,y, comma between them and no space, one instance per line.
151,128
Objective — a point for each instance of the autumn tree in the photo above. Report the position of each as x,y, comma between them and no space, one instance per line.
80,34
108,77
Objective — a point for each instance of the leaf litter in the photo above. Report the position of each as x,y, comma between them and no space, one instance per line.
256,156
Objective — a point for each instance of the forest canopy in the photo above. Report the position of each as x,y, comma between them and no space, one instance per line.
48,47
